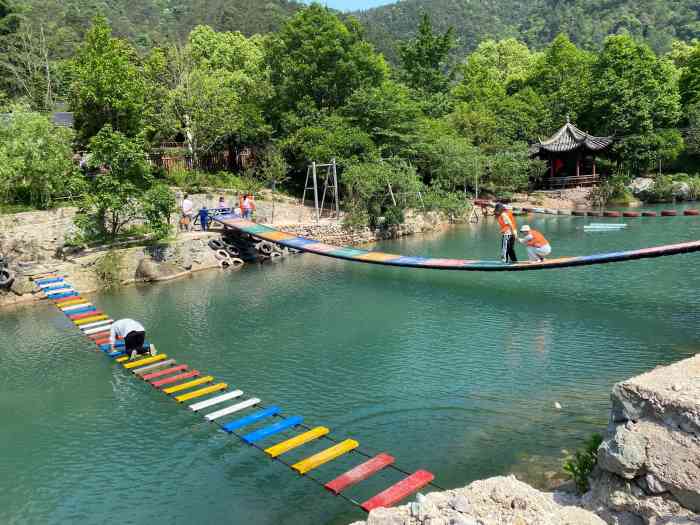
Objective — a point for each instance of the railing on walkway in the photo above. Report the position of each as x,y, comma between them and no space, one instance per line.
553,183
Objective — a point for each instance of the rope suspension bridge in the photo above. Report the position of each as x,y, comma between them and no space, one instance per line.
216,402
304,244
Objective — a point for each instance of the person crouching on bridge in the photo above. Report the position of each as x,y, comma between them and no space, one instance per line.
134,335
537,246
509,232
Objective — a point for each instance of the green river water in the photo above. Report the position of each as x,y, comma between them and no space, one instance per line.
454,372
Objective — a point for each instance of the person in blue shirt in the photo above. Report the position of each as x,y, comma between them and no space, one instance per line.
204,218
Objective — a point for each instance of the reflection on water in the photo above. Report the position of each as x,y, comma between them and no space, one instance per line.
457,373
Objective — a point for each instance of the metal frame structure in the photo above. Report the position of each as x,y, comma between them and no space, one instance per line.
330,182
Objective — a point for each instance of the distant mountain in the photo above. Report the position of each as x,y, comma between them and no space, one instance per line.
537,22
152,22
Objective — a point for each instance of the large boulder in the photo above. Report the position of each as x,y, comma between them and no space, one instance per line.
641,185
149,270
650,459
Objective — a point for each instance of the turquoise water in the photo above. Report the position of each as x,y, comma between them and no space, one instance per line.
454,372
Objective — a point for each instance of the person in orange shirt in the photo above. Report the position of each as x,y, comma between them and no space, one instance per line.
509,232
537,246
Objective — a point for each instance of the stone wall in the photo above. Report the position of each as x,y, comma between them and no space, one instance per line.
648,469
35,236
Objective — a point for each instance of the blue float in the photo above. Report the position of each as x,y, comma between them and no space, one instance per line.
271,430
253,418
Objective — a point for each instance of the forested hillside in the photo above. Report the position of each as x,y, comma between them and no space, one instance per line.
152,22
536,22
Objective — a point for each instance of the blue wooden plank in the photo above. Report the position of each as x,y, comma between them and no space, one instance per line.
297,242
63,295
264,432
54,288
81,310
253,418
42,282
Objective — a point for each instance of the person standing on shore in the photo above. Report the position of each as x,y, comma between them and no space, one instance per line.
134,335
509,233
537,246
248,206
187,213
204,218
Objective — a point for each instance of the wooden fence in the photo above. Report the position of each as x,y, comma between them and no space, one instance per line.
213,161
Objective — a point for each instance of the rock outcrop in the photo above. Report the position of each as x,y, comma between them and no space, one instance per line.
493,501
649,463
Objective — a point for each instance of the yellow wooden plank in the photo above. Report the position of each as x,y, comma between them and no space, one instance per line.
141,362
122,358
189,384
92,319
201,392
69,302
296,441
312,462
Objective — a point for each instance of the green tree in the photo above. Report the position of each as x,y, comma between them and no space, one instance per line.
109,86
114,200
158,204
317,61
386,112
377,189
35,160
690,78
330,137
489,70
562,78
635,96
426,64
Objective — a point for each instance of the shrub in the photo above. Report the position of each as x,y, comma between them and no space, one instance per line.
108,270
158,203
580,466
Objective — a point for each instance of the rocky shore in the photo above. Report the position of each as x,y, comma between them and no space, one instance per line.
36,243
648,470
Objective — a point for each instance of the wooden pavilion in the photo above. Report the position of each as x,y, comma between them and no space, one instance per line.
571,157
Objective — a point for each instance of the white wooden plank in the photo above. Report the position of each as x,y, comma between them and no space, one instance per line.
96,324
143,369
75,307
216,400
97,329
232,409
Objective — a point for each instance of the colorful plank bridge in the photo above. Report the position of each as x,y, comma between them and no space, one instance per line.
217,402
358,255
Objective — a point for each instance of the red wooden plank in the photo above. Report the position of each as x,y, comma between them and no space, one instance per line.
399,491
83,316
165,372
175,379
66,299
99,335
359,473
102,341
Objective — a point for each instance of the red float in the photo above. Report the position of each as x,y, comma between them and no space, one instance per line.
691,213
669,213
649,214
631,214
612,214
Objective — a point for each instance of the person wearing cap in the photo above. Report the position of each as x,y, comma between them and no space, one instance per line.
537,246
509,232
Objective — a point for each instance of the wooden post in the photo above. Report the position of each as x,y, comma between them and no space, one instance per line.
335,189
594,166
578,165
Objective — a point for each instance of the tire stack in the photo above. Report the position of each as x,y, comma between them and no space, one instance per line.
227,255
7,276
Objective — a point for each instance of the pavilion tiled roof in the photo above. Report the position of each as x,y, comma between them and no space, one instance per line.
569,138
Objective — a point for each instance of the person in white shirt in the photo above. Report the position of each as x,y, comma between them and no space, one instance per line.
134,335
187,213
